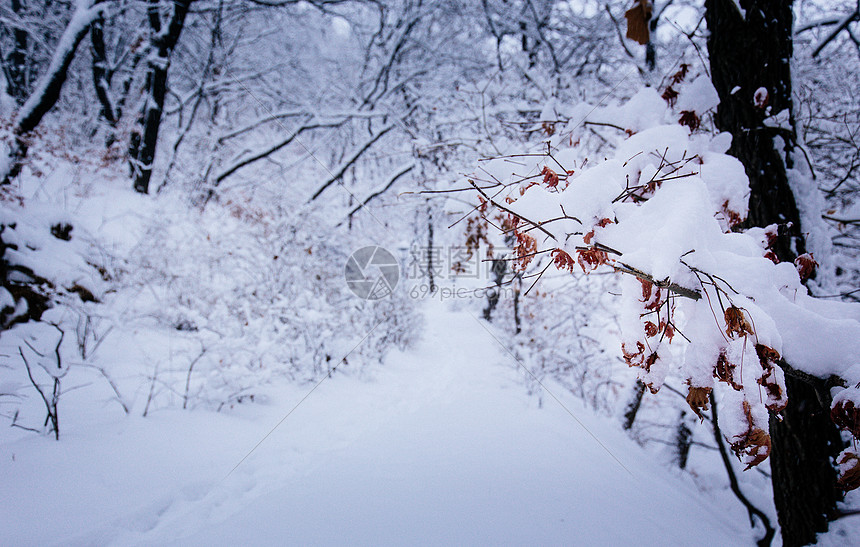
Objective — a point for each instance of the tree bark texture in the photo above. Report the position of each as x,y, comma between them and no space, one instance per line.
144,138
750,57
15,65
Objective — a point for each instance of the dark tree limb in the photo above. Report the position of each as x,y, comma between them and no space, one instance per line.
840,26
394,178
337,174
271,150
753,511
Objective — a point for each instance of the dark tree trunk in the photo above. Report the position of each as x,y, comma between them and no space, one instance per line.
683,440
747,55
518,323
750,66
650,49
101,74
144,138
431,278
632,408
499,269
15,64
804,481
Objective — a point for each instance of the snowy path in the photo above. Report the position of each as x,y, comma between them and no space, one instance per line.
441,446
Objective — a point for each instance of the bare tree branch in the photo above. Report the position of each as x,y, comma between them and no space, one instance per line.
351,160
382,190
842,25
272,149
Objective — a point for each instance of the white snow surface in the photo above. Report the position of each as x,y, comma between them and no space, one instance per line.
441,446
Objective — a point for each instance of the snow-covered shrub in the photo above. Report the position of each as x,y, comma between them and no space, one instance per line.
45,270
253,291
161,303
570,347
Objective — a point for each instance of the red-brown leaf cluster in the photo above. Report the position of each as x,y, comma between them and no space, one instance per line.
476,232
563,261
525,250
649,361
634,359
670,96
589,259
847,416
510,222
771,233
724,371
550,177
651,330
669,330
690,119
849,470
640,360
761,98
753,443
590,235
652,300
768,358
733,218
679,76
805,265
736,322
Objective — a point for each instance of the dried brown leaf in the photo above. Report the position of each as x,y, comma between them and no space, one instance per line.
638,18
699,398
736,322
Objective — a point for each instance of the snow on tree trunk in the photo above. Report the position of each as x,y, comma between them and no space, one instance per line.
15,63
750,68
144,137
101,81
47,91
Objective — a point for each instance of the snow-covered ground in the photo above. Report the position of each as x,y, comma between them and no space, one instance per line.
441,445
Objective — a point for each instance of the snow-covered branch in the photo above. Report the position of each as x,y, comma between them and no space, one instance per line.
667,208
385,187
48,89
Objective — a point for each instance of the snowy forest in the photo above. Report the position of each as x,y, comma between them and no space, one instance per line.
391,272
